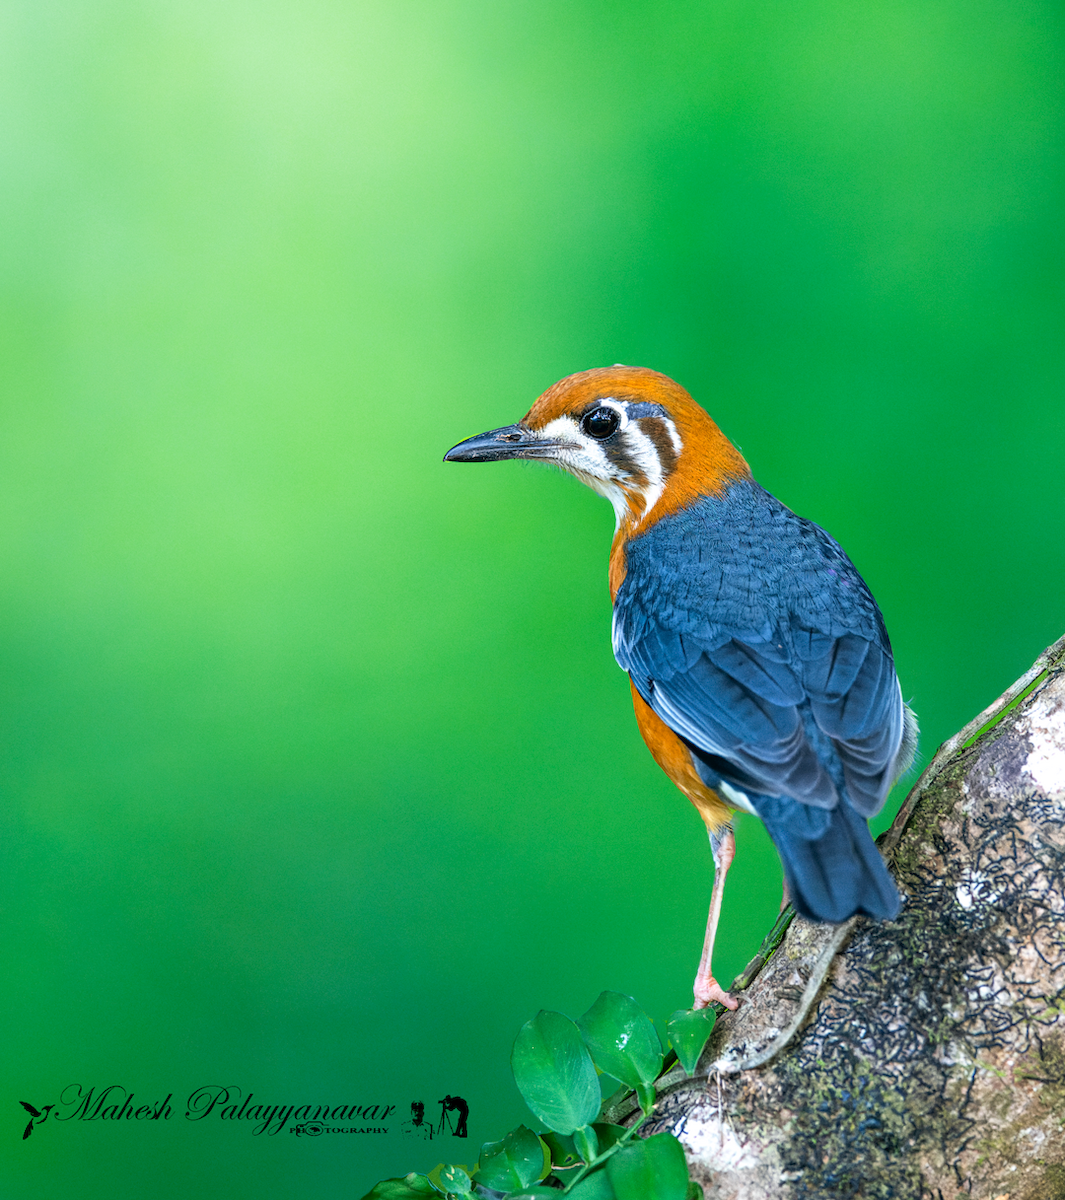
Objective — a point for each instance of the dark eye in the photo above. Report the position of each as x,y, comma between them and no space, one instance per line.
601,423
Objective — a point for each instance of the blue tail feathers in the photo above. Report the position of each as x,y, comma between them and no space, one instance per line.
831,863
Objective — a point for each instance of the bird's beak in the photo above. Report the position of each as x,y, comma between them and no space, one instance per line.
512,441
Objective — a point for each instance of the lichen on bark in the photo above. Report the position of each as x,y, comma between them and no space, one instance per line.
934,1063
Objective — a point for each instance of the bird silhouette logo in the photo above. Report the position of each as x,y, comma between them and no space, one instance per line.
38,1115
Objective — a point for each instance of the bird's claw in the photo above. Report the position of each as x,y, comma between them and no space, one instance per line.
708,991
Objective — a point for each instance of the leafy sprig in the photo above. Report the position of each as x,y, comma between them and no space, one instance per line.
557,1064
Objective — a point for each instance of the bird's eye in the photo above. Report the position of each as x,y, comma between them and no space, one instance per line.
600,423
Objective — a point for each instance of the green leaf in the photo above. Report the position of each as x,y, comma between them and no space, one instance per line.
595,1186
695,1191
554,1072
563,1151
608,1134
410,1187
540,1192
645,1094
515,1162
654,1169
622,1040
587,1142
456,1181
688,1031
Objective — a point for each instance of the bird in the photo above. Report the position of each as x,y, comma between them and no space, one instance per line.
761,671
34,1114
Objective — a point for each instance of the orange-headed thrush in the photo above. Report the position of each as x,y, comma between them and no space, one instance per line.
761,671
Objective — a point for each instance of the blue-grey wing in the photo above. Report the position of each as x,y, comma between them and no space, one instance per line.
752,635
855,700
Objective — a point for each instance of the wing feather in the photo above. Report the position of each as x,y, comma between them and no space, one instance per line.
749,631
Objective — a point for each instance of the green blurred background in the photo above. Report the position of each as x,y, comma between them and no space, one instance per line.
319,777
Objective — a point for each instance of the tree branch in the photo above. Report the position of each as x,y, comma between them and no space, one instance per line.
925,1056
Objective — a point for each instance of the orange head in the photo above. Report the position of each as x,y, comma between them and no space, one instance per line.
629,433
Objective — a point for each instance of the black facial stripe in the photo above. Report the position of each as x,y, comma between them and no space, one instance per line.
624,461
658,432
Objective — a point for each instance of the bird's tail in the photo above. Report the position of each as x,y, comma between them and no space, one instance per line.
831,863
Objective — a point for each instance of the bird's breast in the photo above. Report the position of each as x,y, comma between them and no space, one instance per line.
617,566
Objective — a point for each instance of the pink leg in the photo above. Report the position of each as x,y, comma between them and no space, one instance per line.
785,898
707,989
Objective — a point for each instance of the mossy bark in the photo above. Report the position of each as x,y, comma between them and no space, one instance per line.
933,1064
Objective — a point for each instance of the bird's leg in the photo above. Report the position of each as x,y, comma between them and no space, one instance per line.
785,897
707,989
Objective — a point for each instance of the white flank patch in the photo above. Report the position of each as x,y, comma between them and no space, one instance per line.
736,798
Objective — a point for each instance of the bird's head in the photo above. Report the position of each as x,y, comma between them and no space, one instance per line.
629,433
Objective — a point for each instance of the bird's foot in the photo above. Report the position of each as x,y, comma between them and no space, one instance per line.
708,991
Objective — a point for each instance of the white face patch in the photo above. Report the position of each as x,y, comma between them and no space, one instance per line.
645,452
588,459
674,436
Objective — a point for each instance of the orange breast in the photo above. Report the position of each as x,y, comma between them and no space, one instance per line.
616,571
673,757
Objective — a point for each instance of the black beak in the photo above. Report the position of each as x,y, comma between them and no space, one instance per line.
512,441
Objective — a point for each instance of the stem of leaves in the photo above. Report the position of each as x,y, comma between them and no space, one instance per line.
557,1063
